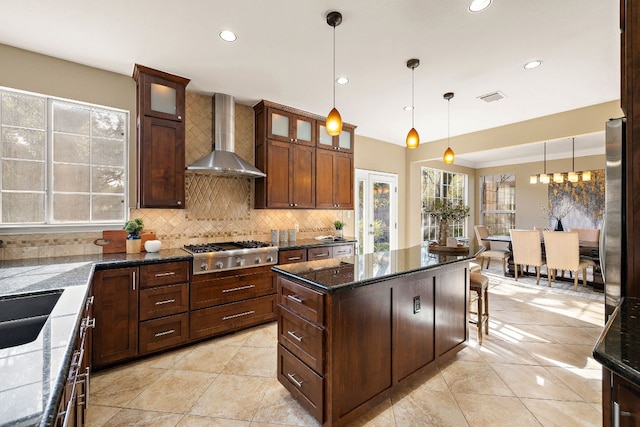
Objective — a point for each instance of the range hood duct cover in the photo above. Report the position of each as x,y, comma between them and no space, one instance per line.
223,160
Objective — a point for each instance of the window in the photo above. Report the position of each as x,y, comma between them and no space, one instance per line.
445,186
498,203
62,162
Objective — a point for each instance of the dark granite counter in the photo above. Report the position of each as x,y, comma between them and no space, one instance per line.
618,348
33,375
310,243
349,272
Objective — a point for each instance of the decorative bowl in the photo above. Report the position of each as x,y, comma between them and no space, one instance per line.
152,245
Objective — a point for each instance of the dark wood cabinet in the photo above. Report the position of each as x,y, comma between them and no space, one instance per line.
290,181
289,256
334,180
161,133
621,401
299,175
341,353
115,336
342,142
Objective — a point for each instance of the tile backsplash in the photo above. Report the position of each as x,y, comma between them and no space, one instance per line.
217,208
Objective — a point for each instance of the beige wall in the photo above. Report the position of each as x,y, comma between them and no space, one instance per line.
379,156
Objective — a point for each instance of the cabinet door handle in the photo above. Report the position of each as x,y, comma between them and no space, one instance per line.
294,258
166,301
294,336
170,331
233,316
294,298
168,273
239,288
293,380
133,281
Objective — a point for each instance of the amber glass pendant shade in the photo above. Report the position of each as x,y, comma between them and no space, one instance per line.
448,157
334,123
413,139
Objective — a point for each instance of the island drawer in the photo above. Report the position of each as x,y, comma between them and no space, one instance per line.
164,301
304,384
290,256
228,317
164,273
206,292
163,333
301,300
302,338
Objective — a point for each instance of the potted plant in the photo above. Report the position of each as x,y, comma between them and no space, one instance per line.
444,211
339,225
133,242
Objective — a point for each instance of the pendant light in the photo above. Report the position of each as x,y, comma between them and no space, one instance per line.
334,121
448,156
413,139
573,176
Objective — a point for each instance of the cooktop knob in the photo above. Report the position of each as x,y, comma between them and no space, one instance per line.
219,264
204,266
269,259
258,260
239,262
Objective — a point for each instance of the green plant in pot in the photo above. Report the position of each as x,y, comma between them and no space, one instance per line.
133,243
339,225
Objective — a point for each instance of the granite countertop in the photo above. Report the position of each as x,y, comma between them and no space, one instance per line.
33,375
308,243
336,274
618,348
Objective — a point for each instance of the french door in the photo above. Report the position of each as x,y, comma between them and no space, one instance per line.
376,211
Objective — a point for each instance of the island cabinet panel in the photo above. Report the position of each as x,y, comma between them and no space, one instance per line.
360,347
413,326
451,295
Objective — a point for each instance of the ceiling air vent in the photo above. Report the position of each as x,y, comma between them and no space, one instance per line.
493,96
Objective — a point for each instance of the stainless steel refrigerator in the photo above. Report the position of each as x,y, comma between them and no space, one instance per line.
612,236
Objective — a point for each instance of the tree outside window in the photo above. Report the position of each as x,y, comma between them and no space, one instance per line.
498,203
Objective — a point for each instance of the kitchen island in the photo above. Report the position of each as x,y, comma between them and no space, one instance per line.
350,330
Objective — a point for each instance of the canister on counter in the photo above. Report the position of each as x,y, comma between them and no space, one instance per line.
292,234
274,236
283,235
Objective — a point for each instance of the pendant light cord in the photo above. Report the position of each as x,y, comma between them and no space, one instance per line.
545,158
573,154
449,122
334,66
413,107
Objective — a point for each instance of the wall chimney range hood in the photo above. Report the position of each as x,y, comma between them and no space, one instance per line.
223,160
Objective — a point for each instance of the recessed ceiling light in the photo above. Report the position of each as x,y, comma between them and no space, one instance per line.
533,64
228,35
408,108
479,5
342,80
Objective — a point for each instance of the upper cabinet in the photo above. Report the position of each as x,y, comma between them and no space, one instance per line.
299,175
290,127
342,142
161,133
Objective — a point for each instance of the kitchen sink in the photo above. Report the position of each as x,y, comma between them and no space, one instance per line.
23,316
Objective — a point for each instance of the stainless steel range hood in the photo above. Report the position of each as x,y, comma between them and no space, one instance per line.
223,160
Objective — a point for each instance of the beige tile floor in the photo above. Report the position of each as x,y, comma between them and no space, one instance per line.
534,369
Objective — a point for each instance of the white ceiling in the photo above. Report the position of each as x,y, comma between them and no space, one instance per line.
284,54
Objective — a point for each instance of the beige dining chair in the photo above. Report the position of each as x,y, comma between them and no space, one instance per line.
587,234
489,252
527,250
562,250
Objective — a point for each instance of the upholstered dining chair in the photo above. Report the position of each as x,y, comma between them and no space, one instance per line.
562,250
527,250
489,252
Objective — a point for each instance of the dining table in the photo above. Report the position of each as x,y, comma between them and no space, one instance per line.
588,249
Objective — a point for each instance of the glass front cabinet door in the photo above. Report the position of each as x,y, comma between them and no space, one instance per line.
290,127
162,95
342,142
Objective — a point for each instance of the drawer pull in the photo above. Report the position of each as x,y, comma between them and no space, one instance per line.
294,298
168,273
294,258
295,381
239,288
169,332
233,316
166,301
321,255
293,335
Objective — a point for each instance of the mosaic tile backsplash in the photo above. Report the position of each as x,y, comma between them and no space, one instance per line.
217,208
